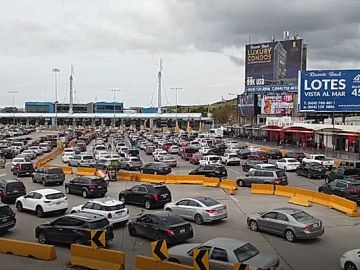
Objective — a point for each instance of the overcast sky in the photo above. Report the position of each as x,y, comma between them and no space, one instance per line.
117,44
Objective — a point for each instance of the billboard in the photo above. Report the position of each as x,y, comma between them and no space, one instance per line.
329,90
277,104
274,66
246,105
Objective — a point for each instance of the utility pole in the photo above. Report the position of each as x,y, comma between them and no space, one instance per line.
13,92
114,91
71,105
176,89
159,87
56,71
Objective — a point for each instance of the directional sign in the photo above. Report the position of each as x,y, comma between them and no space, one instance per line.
201,259
98,239
241,266
159,250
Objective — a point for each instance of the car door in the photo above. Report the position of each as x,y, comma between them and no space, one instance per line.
139,195
267,221
146,168
32,201
179,208
218,259
87,207
141,225
281,163
97,209
74,185
191,209
280,223
61,231
340,188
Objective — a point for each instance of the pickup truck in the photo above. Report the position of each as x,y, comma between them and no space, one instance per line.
343,173
321,159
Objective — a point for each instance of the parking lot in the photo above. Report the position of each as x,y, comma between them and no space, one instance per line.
341,232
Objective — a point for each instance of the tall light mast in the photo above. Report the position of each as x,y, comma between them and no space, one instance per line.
71,105
159,87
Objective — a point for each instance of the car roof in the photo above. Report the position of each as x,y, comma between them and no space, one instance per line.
11,180
162,213
86,216
225,243
106,201
288,210
46,191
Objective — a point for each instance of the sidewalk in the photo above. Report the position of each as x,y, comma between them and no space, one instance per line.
307,150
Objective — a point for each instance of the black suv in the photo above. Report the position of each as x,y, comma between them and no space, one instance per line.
348,189
147,195
7,218
213,170
87,186
10,190
343,173
156,168
73,228
23,168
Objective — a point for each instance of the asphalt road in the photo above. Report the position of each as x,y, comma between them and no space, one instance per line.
342,232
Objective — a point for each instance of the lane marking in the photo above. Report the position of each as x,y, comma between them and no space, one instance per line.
3,174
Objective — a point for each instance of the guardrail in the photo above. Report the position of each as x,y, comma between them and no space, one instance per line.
304,197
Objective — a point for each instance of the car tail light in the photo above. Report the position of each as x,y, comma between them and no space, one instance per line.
92,186
306,229
109,215
352,190
211,211
47,201
169,232
155,197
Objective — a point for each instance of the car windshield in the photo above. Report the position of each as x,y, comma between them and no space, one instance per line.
114,207
301,216
171,220
135,160
162,189
292,161
5,211
208,201
214,158
98,181
55,196
87,157
245,252
168,158
55,171
101,223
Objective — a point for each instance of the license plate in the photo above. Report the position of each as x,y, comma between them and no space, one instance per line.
182,230
99,186
15,191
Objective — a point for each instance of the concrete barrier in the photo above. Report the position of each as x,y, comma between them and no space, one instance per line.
67,170
152,178
265,148
146,263
96,258
304,194
228,184
190,179
27,249
299,201
171,179
265,189
86,171
285,191
211,182
321,198
344,205
127,176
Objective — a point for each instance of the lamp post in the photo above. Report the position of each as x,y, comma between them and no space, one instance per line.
176,89
56,71
238,116
114,91
13,92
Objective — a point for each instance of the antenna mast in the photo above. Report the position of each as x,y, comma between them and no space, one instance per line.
159,87
71,105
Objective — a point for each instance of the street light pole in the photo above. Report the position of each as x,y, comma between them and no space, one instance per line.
13,92
114,91
176,89
56,71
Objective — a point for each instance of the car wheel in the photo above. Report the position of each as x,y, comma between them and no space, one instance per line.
43,182
39,211
240,183
33,179
42,238
67,190
19,206
289,235
298,173
84,193
253,225
132,231
309,175
73,212
198,219
148,204
350,266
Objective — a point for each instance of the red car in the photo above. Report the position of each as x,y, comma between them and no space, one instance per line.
187,153
166,146
195,159
259,156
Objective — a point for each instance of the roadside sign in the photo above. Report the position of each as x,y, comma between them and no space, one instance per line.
98,239
201,259
159,250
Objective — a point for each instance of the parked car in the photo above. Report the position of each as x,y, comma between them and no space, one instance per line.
195,159
258,156
115,211
350,260
67,154
156,168
159,154
224,253
168,159
264,176
274,154
131,163
23,168
7,218
230,159
81,160
263,166
321,159
213,170
161,225
187,153
297,155
87,186
249,164
344,188
343,173
289,222
46,176
147,195
17,160
311,170
43,201
173,149
288,164
73,228
198,209
10,190
210,159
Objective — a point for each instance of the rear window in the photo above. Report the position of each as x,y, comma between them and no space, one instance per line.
54,196
208,201
352,172
5,211
292,161
172,219
15,185
101,223
301,216
162,189
114,207
280,174
98,181
87,157
55,171
245,252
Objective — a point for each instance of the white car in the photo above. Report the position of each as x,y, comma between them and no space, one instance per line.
174,149
45,147
204,150
115,211
159,154
350,260
43,201
253,148
230,159
30,153
263,166
209,160
67,154
99,154
37,150
288,164
17,160
168,159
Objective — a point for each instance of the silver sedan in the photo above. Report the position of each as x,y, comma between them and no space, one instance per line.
289,222
199,209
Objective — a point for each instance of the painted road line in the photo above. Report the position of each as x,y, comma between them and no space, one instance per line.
233,171
3,174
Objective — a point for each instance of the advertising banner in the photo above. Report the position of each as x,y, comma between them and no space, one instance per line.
285,121
277,104
329,90
273,66
246,105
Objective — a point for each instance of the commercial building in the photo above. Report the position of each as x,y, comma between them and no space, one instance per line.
39,107
108,107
